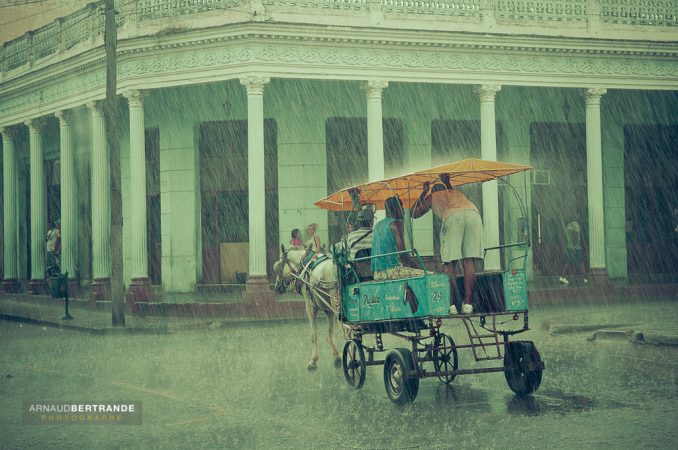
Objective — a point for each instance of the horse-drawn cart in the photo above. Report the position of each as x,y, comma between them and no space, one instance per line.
415,308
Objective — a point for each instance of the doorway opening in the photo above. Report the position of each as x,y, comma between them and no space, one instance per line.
559,192
651,202
224,204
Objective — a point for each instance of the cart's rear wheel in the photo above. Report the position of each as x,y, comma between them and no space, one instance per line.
522,367
353,363
444,356
401,386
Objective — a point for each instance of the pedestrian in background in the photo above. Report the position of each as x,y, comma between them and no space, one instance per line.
296,238
53,244
574,255
312,240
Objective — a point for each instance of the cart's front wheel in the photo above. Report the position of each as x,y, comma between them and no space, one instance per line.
401,386
353,363
523,367
444,356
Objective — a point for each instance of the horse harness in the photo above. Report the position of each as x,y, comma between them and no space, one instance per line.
302,275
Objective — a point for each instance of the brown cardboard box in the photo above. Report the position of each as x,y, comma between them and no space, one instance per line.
234,257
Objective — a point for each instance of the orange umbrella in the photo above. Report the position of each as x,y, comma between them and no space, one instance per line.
408,187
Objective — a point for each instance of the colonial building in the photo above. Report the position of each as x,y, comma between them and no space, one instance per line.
237,115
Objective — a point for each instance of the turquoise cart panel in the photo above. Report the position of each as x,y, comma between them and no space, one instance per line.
515,290
397,299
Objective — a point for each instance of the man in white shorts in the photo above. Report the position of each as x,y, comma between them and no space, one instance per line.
461,235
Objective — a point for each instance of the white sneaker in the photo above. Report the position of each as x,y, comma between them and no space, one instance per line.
453,310
585,280
563,280
466,309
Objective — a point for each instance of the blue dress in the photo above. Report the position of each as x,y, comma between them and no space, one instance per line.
383,242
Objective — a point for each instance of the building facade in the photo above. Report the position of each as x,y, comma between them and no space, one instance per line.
236,116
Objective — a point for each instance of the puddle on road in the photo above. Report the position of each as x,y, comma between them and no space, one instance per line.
554,402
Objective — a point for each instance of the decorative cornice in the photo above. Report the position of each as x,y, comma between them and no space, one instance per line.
65,117
593,95
458,41
389,58
469,41
519,58
374,88
255,85
487,92
135,98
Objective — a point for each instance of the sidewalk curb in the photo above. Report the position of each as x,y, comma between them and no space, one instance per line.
83,329
558,329
635,337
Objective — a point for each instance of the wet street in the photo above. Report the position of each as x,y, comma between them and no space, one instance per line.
247,386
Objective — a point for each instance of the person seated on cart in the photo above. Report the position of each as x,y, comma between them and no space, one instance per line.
359,241
461,235
388,237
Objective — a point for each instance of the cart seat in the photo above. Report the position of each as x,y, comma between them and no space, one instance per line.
363,268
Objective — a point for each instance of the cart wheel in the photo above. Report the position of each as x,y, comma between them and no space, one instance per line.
519,360
444,359
401,387
353,363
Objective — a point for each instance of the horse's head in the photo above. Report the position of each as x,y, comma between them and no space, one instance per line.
283,269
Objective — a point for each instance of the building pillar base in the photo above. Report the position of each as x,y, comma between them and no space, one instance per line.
100,290
599,279
139,290
11,286
37,287
73,287
258,293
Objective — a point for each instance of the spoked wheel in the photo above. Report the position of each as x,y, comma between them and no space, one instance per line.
353,363
444,356
522,367
401,387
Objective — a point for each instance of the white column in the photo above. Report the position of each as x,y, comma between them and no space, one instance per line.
101,195
37,176
488,151
594,179
69,221
137,164
9,183
256,174
375,129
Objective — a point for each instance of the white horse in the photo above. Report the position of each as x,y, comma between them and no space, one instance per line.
319,287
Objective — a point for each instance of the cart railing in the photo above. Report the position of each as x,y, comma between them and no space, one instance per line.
523,245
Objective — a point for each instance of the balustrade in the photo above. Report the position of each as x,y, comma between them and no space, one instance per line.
77,27
45,40
464,8
157,9
541,10
327,4
640,12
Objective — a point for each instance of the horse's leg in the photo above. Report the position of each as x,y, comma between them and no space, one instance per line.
311,312
330,339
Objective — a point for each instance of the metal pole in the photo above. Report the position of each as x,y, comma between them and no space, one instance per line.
117,282
63,278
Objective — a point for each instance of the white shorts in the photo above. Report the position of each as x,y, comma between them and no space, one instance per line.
461,236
